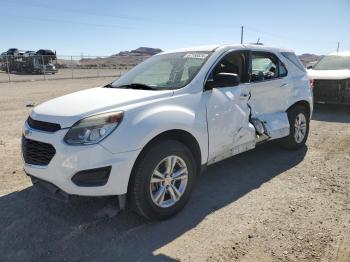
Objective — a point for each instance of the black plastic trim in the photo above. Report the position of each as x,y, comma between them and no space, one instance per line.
37,153
43,126
49,189
92,177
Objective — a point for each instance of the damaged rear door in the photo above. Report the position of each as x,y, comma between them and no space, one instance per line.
228,112
269,90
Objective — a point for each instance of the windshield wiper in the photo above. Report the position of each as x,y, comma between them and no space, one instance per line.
109,86
137,86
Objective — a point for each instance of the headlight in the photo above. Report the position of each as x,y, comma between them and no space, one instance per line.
93,129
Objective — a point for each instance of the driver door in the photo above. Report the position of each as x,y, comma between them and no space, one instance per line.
228,112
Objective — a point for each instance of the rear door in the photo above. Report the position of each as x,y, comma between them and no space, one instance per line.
269,89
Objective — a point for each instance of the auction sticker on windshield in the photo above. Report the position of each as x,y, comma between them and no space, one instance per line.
196,55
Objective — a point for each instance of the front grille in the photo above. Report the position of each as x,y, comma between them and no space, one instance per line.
37,153
43,126
332,91
326,90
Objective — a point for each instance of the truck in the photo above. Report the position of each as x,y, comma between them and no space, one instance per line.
40,62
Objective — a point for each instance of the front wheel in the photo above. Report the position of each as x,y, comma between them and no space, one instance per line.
162,180
299,121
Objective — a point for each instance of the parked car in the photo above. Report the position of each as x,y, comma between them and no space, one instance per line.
3,56
45,52
30,64
331,79
29,53
148,135
12,51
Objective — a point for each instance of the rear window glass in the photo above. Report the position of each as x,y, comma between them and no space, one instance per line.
294,59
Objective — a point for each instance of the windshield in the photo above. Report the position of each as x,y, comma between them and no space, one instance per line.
164,72
333,62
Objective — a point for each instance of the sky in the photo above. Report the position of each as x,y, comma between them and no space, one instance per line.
99,28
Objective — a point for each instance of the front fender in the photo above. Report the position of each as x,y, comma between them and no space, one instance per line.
144,124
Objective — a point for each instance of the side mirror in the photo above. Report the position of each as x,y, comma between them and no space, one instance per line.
222,80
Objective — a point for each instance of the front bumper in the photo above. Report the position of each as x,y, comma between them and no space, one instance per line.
49,189
69,160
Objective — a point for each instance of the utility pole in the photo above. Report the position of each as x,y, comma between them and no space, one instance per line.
242,34
338,47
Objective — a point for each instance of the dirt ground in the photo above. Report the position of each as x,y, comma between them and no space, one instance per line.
268,204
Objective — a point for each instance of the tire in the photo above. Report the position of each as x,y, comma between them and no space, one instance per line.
143,194
295,114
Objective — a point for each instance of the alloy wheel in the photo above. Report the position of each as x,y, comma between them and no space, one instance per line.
300,128
168,181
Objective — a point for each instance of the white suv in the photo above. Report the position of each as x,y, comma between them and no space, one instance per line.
148,135
331,79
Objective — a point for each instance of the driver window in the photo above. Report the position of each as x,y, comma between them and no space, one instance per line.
264,67
235,63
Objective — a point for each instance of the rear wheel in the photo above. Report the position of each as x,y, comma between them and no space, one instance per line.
299,120
162,180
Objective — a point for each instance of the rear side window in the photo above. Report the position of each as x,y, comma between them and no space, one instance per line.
282,70
264,66
294,60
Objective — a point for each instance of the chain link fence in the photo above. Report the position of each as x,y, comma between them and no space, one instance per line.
21,68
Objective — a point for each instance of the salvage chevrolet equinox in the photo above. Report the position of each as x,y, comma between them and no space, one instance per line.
148,135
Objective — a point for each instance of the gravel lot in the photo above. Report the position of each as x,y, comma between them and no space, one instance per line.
268,204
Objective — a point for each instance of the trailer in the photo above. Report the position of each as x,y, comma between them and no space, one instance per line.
42,62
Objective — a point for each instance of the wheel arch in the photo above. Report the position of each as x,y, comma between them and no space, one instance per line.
179,135
175,134
302,103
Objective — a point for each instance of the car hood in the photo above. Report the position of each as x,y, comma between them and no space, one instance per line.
329,74
67,110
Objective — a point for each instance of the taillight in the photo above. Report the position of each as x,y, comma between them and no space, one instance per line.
312,83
